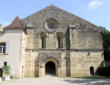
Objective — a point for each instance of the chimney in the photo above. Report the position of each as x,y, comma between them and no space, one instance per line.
1,29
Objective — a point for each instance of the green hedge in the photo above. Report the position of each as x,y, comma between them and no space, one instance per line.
1,72
103,71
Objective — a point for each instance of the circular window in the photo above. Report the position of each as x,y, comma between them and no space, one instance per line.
52,23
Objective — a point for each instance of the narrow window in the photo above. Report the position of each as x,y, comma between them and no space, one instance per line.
43,42
2,48
60,42
92,70
5,63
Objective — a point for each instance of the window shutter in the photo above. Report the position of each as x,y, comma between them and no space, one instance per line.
7,48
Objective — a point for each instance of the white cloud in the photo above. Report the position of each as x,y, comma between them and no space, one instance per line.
94,3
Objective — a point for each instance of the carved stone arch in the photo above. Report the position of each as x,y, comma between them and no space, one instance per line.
40,34
59,34
43,64
45,60
60,37
43,34
43,39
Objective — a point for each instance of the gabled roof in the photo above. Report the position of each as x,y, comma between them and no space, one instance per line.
15,25
37,20
63,17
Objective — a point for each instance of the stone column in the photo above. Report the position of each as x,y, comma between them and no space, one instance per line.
63,65
41,71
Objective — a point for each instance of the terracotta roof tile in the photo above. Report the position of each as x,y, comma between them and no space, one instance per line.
15,24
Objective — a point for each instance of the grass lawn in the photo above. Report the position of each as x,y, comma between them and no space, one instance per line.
91,77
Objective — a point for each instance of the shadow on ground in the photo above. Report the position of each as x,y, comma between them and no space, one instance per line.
88,81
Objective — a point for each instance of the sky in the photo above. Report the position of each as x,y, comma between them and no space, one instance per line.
94,11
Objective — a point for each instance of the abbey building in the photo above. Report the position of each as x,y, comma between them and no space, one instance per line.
51,41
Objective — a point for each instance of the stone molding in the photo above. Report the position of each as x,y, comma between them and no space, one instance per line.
75,50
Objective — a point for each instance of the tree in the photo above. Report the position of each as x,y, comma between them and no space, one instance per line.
106,43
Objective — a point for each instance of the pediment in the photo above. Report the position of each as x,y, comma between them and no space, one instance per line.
64,18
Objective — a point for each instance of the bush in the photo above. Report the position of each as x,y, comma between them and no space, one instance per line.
103,71
1,72
6,70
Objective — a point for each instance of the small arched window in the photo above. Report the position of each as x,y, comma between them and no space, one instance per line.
43,40
92,70
60,40
59,43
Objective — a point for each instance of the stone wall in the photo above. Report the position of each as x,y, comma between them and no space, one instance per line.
31,65
35,63
13,56
80,39
80,62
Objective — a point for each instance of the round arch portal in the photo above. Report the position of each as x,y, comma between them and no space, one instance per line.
49,65
50,68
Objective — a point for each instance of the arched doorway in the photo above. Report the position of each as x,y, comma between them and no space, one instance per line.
50,68
92,70
44,66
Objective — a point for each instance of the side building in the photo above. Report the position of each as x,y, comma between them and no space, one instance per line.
11,48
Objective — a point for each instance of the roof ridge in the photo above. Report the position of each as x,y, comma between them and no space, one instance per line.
15,23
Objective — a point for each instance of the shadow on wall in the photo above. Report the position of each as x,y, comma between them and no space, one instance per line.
103,71
90,80
97,70
37,67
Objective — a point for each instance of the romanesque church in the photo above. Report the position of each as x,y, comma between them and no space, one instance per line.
51,42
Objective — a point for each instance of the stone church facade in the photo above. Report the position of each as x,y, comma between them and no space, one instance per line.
51,41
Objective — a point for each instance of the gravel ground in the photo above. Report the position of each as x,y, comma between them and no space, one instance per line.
55,81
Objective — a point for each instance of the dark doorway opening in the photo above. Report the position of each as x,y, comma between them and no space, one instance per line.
92,70
1,72
50,68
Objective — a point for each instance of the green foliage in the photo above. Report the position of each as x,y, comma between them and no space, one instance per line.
103,71
6,70
103,28
106,43
1,72
89,77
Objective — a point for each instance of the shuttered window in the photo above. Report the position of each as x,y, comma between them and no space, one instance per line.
4,47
